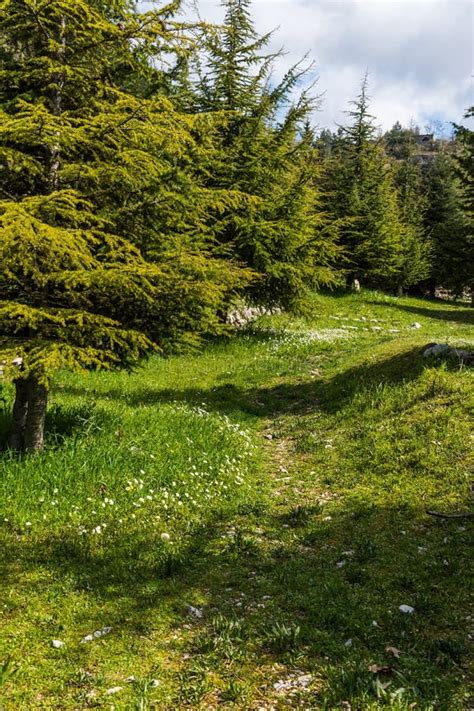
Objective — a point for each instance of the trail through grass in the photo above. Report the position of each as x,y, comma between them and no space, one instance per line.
248,522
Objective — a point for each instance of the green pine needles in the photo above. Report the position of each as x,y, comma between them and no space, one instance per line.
102,256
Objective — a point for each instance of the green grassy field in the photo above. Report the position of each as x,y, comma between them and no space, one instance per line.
248,521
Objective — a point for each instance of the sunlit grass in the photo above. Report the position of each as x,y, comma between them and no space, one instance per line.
279,483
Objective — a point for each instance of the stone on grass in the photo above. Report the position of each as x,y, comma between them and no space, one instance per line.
294,682
57,644
96,635
443,350
196,612
113,690
407,609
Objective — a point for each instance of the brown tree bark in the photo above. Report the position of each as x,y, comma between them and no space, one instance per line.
35,418
20,411
29,413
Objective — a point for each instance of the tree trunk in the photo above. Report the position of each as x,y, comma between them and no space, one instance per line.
35,418
20,411
29,412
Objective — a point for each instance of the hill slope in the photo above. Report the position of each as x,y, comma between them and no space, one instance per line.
276,484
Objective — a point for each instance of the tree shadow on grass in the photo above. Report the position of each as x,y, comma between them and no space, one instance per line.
463,315
329,395
297,605
62,423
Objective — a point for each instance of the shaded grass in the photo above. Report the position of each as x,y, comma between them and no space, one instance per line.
327,535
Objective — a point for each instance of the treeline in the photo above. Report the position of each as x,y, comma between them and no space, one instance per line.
408,200
152,172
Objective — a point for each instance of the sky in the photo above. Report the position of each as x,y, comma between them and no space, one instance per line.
419,54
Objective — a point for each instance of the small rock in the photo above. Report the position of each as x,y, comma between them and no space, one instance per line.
113,690
195,612
154,683
416,325
96,635
435,350
348,643
292,683
268,436
407,609
443,350
57,644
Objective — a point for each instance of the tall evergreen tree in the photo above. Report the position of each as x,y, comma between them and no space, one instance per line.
85,279
449,224
266,154
465,169
383,249
400,144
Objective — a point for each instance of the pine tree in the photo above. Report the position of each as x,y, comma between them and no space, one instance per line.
399,142
465,170
85,279
409,182
383,249
266,154
449,223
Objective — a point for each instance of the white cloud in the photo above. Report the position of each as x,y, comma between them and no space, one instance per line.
419,53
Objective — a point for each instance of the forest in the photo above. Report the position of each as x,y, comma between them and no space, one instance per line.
200,292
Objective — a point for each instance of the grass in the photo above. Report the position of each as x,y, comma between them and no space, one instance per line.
290,470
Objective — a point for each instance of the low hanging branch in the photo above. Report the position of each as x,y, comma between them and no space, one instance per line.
468,514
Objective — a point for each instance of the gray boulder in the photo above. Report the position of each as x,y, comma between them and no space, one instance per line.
443,350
